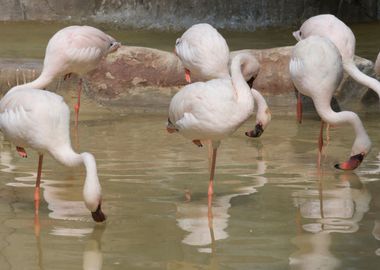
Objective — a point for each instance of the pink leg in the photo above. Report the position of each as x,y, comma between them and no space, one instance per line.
77,106
37,188
320,144
212,173
21,151
299,108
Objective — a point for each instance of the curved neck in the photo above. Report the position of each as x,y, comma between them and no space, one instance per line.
240,85
91,188
357,75
261,104
335,118
40,83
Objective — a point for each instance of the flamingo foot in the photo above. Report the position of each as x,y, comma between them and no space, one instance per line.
187,75
352,163
197,143
257,132
21,151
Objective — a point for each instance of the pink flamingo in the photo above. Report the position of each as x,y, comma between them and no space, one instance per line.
316,69
40,120
73,49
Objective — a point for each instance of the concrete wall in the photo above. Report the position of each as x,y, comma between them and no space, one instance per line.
179,14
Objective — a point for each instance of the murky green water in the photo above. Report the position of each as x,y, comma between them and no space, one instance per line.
273,209
28,40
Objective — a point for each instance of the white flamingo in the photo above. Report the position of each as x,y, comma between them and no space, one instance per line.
39,119
204,53
212,110
329,26
316,70
73,49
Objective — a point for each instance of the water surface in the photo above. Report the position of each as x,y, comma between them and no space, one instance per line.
273,208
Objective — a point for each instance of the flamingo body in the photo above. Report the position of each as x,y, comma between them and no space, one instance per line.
377,65
203,51
316,70
208,111
39,119
329,26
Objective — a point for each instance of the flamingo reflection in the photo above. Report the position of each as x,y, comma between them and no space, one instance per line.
337,209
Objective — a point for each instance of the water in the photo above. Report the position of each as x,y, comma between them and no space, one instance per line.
28,40
273,209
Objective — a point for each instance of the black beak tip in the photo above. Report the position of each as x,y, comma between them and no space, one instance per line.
98,215
257,132
337,166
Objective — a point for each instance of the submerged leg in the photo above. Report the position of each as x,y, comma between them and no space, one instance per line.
299,108
21,151
77,106
37,188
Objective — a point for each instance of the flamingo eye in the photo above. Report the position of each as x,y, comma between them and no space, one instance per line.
178,41
300,34
111,44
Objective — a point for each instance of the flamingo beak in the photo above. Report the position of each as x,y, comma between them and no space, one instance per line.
98,215
187,75
352,163
255,133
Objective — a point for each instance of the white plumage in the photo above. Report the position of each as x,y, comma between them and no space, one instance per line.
39,119
316,70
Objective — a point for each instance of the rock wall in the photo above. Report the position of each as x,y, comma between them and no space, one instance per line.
178,14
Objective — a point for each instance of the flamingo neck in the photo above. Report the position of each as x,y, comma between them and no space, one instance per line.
91,188
40,83
240,86
362,141
350,67
262,106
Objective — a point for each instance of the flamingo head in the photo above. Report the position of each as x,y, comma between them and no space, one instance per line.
114,46
360,149
352,163
263,119
98,215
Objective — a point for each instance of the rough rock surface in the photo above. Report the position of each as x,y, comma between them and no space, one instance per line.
144,80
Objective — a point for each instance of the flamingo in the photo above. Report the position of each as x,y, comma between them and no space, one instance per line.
39,119
329,26
316,70
73,49
212,110
204,53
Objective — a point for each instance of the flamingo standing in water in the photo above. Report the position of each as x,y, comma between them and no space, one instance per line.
39,119
212,110
73,49
340,34
316,70
204,53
